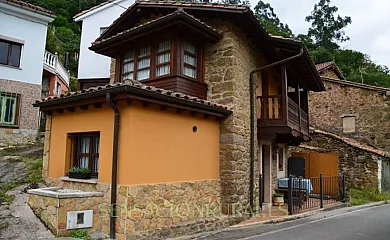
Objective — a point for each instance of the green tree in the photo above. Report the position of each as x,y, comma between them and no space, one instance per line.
326,29
270,21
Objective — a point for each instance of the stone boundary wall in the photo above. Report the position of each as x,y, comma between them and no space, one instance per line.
28,115
156,209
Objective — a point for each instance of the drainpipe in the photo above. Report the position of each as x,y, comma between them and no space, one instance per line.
114,165
252,116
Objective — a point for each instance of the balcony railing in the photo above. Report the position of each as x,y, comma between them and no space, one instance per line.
271,114
297,118
52,64
270,107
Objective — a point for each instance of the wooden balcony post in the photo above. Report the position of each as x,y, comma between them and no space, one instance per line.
283,76
299,106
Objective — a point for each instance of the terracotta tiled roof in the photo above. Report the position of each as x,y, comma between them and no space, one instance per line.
178,4
180,11
353,143
29,6
135,85
324,65
358,85
195,4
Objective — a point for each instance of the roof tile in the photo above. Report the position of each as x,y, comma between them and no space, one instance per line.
138,85
179,11
30,6
353,143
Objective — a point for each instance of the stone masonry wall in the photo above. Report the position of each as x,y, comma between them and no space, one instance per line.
28,119
360,167
227,67
53,212
146,209
370,108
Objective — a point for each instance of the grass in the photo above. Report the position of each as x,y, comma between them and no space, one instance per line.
79,234
359,196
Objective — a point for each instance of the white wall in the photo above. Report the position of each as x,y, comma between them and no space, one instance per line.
34,36
91,64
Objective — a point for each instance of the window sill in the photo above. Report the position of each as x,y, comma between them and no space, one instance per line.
88,181
8,66
8,126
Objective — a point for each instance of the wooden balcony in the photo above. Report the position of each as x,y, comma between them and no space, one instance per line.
281,118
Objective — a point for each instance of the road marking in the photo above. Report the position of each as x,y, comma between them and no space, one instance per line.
303,224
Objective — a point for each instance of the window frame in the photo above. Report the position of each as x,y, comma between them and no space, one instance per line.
196,55
9,54
58,89
153,60
74,155
16,116
281,159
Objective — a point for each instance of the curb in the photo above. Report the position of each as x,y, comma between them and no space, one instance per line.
285,219
291,217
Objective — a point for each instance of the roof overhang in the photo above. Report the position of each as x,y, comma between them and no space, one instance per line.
306,73
18,10
178,18
128,92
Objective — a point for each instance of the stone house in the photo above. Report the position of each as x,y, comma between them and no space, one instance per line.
356,112
362,165
172,134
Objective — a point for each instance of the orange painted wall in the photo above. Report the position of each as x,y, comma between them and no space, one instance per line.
80,121
154,146
325,163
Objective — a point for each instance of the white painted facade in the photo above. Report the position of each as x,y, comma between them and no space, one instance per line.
24,25
91,64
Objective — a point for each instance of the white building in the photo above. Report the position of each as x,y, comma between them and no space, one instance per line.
23,30
95,68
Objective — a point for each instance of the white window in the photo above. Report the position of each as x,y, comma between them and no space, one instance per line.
8,107
190,60
128,66
143,63
163,58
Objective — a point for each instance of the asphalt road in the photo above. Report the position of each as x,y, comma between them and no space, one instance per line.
344,224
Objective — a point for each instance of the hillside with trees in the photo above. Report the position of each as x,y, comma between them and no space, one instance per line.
322,38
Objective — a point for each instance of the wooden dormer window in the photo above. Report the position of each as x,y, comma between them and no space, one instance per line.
166,52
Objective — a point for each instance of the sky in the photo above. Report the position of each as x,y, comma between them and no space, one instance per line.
369,31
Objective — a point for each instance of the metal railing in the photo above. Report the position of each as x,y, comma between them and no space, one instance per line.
52,64
315,192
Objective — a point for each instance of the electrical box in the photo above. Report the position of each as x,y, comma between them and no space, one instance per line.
79,219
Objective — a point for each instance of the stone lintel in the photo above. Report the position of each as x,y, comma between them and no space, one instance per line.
61,193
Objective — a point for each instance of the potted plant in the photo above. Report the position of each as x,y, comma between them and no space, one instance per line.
278,199
79,173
